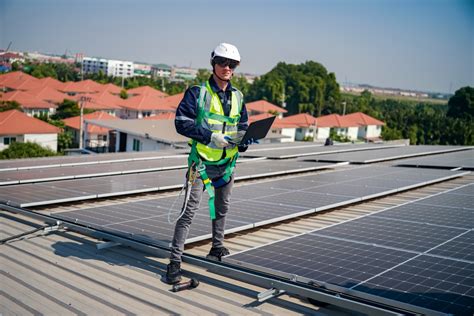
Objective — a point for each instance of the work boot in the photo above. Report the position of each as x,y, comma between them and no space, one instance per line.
217,253
173,273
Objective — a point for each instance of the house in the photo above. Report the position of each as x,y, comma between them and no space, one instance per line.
30,104
141,135
16,126
100,101
95,136
18,80
146,90
143,105
369,129
338,124
143,102
262,106
286,131
305,125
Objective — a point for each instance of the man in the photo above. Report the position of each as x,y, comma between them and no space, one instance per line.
211,115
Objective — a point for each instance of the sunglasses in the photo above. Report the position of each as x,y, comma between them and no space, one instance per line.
224,62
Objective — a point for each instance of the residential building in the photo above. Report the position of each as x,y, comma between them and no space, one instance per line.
183,73
29,103
280,131
144,102
142,69
369,128
263,106
141,135
161,71
109,67
95,137
16,126
306,126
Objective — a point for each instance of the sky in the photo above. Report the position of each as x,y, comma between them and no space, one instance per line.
410,44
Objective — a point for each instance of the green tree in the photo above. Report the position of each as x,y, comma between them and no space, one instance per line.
461,105
306,87
65,140
44,70
201,76
10,105
66,109
241,83
123,94
25,150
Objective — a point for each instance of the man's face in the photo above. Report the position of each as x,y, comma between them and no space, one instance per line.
224,67
224,73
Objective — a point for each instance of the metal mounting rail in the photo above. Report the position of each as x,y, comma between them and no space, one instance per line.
278,285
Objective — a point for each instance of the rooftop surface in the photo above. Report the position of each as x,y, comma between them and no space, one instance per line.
64,273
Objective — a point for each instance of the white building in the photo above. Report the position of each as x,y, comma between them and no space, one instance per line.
16,126
109,67
141,135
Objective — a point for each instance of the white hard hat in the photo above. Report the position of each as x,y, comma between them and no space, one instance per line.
227,51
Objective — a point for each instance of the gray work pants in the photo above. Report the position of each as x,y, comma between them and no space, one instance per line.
181,230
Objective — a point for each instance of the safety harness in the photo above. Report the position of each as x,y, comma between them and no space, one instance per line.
197,164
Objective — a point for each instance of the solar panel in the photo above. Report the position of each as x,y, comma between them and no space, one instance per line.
89,171
415,256
252,205
48,162
462,159
371,156
437,284
299,151
28,195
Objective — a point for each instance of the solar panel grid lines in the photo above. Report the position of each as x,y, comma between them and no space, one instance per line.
252,205
89,171
443,282
463,159
422,282
26,195
282,153
67,161
372,156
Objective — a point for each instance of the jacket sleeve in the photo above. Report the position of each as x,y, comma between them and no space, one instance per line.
186,114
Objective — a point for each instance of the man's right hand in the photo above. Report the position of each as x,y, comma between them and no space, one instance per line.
219,140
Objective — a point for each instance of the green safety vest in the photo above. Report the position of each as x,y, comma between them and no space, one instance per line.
210,115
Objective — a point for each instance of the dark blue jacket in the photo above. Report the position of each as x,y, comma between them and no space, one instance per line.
187,112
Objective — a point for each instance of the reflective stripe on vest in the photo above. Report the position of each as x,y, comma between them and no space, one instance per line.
212,117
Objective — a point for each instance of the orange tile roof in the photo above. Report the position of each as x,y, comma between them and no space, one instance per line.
301,120
173,100
363,119
162,116
74,122
52,83
333,120
277,123
100,101
263,106
26,100
14,122
49,94
15,76
110,87
19,81
147,102
85,86
146,90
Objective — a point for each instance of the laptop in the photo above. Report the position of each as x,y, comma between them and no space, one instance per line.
256,130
